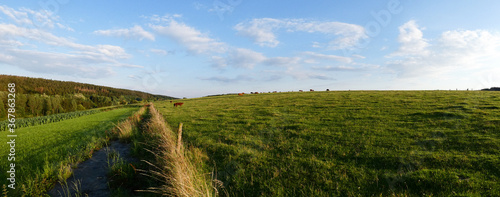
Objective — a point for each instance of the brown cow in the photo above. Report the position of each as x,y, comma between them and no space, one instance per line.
240,94
178,104
311,90
301,91
170,101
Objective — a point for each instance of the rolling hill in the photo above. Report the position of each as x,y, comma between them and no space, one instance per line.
37,96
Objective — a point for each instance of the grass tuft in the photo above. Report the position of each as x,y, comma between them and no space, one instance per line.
64,172
4,191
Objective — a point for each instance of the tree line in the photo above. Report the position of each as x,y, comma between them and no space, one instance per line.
28,85
41,97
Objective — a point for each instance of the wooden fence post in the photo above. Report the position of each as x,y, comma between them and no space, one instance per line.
179,138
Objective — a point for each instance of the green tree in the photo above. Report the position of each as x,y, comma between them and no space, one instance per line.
56,104
3,111
74,106
47,105
21,100
35,104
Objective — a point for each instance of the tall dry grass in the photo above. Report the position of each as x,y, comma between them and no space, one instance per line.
124,129
175,166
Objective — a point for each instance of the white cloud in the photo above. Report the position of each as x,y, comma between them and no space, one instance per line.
27,17
411,40
160,51
58,63
199,6
187,36
452,51
218,62
336,68
18,17
136,32
244,58
262,31
305,75
85,60
316,45
112,51
26,42
64,27
10,32
318,56
358,56
282,61
469,43
354,67
223,79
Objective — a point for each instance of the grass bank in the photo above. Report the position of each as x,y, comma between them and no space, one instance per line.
179,169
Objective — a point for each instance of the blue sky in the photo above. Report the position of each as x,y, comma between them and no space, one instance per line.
198,48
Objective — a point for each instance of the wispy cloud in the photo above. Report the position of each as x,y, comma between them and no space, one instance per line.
12,32
305,75
28,17
244,58
192,39
313,56
248,59
21,40
223,79
282,61
262,31
199,6
336,68
56,63
224,56
160,51
136,32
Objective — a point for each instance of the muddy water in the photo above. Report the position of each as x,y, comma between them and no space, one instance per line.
90,175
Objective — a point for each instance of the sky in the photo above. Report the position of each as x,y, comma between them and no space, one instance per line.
198,48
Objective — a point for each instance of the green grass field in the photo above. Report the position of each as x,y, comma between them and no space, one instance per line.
352,143
42,150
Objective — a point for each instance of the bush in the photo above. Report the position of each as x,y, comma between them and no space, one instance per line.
80,107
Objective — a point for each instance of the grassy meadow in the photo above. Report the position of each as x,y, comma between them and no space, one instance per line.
45,153
347,143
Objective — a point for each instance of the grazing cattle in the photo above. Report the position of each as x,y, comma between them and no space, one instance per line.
178,104
327,90
256,92
311,90
170,101
240,94
275,91
301,91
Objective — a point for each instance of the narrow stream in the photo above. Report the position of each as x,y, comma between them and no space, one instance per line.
90,177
